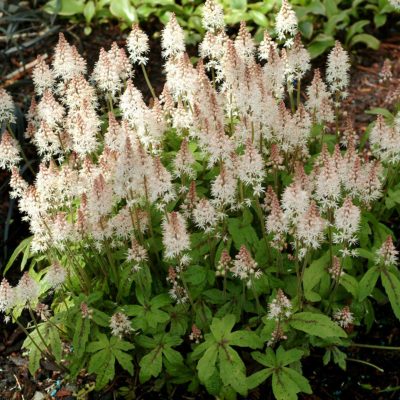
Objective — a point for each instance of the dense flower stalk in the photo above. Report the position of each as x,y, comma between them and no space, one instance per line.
337,73
286,21
175,236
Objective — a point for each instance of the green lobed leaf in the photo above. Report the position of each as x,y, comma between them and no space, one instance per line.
392,288
242,234
369,255
171,340
368,282
124,359
268,329
268,359
313,275
258,378
55,343
306,28
81,336
327,357
214,385
173,357
288,357
133,310
202,347
100,318
316,324
297,379
232,370
245,339
103,366
123,345
331,8
222,327
339,358
100,344
206,364
146,342
161,300
350,284
34,360
155,317
150,365
196,275
283,387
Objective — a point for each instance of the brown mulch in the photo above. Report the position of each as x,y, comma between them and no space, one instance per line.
367,90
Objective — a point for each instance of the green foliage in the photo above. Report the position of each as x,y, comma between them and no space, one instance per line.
104,354
287,381
220,359
161,353
316,324
349,21
391,283
321,22
147,316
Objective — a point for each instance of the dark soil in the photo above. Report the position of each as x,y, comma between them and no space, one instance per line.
359,382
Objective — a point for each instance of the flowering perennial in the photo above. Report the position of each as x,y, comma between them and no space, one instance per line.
230,192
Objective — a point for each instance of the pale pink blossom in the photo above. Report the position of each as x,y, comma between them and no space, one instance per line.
280,307
9,152
120,325
138,45
213,16
172,38
286,21
175,236
7,107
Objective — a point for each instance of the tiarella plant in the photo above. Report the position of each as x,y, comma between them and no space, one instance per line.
230,219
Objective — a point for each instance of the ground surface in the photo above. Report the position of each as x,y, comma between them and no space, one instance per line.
359,382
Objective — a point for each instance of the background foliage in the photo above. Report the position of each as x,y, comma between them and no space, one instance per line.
320,21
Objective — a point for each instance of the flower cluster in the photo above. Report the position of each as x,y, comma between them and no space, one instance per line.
120,325
387,254
24,294
9,152
279,308
244,267
344,317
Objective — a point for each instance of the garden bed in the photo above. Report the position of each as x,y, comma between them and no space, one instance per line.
360,381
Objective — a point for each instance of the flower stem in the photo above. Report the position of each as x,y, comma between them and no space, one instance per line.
38,330
148,82
298,93
366,363
337,116
375,346
291,99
